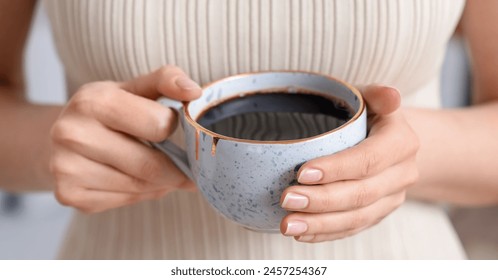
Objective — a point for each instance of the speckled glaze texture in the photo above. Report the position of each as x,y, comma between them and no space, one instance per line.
242,179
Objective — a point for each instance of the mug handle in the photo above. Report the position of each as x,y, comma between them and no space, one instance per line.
175,153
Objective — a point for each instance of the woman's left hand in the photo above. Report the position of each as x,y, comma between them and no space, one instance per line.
347,192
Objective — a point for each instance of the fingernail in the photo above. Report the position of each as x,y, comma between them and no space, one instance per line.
306,238
296,228
294,201
310,175
187,84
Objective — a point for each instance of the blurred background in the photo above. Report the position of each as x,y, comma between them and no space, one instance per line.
32,225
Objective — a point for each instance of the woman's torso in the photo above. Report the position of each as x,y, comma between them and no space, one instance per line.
398,43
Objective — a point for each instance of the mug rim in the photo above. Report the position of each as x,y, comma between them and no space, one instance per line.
213,134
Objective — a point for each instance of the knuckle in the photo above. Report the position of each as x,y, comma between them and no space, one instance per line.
159,133
66,133
104,104
165,125
60,197
82,102
60,130
94,87
369,163
62,169
83,99
94,96
364,196
325,203
168,69
358,220
150,169
339,168
136,185
65,196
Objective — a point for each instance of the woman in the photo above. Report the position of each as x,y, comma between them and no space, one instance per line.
143,207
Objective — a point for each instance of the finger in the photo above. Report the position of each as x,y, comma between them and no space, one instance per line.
125,112
381,100
139,117
350,194
120,151
94,201
315,238
386,146
297,224
76,170
169,81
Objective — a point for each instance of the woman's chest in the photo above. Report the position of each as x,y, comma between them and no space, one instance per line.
396,42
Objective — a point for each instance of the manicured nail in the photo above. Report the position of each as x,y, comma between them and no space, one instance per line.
296,228
294,201
187,84
310,175
306,238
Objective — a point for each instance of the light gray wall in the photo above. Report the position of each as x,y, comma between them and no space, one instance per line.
34,228
44,72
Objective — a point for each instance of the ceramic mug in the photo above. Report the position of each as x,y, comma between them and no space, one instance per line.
243,179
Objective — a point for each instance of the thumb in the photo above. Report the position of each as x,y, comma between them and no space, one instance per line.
381,100
169,81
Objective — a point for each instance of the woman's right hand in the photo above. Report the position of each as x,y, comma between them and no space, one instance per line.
98,159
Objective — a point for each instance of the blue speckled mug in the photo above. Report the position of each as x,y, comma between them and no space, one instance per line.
243,179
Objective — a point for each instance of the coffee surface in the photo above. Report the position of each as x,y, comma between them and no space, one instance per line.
275,116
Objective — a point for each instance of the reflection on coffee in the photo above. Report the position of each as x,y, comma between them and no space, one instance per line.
273,116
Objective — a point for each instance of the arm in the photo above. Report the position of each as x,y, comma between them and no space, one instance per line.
24,127
458,156
89,150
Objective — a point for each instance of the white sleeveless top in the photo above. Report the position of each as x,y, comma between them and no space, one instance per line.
395,42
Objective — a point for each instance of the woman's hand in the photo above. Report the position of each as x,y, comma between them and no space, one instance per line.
98,161
355,189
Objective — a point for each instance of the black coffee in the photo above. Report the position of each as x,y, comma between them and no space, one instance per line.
276,116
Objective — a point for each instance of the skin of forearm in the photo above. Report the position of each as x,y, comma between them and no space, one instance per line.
458,156
25,143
